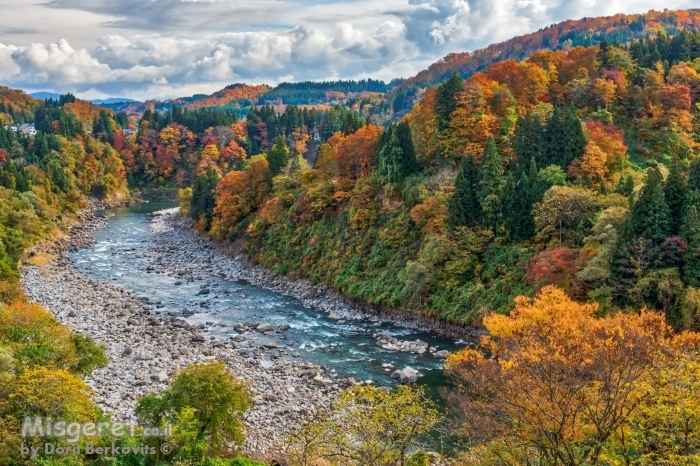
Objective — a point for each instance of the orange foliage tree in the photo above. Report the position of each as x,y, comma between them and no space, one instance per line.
232,202
355,157
563,386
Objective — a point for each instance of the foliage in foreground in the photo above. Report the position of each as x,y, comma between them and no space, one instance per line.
367,426
204,404
568,388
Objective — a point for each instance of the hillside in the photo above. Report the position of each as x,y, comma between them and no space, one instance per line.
585,32
494,186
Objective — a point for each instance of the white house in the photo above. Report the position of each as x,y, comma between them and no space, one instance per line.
28,128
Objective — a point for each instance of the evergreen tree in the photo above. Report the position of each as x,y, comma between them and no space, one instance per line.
397,158
109,132
605,55
692,199
626,186
509,200
491,186
277,156
691,234
565,138
41,146
528,141
463,209
650,216
532,173
675,192
522,213
19,176
203,196
445,100
694,175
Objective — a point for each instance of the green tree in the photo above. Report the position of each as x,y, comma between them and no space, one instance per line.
491,186
508,203
626,186
690,232
367,426
463,209
397,158
445,100
675,192
204,403
693,198
277,156
564,213
528,142
565,138
203,199
650,216
694,175
522,222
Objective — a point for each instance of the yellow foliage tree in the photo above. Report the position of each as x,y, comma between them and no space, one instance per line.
593,165
368,427
564,387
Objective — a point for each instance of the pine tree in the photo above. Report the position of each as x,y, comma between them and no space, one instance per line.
409,164
509,199
691,234
203,196
675,192
445,100
694,175
41,146
397,158
463,209
277,156
491,186
605,55
692,199
565,138
554,134
626,186
528,141
650,216
525,223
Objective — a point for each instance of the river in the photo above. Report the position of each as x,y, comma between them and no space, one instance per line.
124,254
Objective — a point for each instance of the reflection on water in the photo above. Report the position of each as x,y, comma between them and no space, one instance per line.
123,251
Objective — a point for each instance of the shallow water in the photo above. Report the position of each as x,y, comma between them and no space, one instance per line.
122,252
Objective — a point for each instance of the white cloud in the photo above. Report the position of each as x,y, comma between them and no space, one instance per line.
167,48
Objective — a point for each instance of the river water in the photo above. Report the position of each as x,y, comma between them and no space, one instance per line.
124,250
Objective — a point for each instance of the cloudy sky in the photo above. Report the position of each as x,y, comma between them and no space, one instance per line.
168,48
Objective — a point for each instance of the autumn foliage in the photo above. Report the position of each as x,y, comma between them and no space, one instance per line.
573,389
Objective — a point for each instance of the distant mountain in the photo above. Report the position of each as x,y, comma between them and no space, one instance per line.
53,95
240,97
45,95
112,100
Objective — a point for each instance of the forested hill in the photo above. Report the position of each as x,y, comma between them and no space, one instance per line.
240,97
585,32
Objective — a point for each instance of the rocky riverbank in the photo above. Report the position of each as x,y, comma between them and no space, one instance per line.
145,348
201,254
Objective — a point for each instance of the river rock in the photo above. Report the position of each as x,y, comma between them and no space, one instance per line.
120,319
